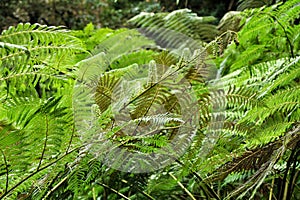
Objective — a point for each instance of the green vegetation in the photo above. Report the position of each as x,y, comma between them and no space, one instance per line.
91,113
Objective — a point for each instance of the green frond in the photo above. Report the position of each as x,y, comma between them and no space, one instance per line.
37,54
289,11
32,148
172,29
9,134
248,4
166,111
252,159
233,97
33,71
38,41
230,21
104,92
118,49
263,29
123,42
140,57
281,76
265,168
165,58
237,177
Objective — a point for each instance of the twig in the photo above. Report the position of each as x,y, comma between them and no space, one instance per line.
113,190
55,187
209,192
144,193
6,171
182,186
45,144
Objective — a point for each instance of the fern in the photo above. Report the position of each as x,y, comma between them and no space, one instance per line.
189,128
246,4
268,122
268,27
178,29
259,122
32,61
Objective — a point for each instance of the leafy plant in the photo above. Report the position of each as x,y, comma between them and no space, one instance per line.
163,26
76,107
37,124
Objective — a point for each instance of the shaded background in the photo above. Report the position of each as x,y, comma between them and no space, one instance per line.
75,14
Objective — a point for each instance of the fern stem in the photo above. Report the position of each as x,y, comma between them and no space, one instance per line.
144,193
293,184
293,175
272,188
149,88
209,192
144,115
72,136
45,143
182,186
6,171
113,190
2,37
27,73
283,188
94,193
55,187
285,33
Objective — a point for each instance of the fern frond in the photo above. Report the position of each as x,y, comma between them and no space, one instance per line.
104,92
257,179
39,40
267,27
36,53
33,62
255,158
173,29
140,57
248,4
237,177
230,21
123,42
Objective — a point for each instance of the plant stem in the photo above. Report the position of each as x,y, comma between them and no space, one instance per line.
182,186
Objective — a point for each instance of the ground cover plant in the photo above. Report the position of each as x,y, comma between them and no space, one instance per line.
165,110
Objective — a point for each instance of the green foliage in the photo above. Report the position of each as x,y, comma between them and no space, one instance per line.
271,27
267,64
246,4
67,96
36,64
165,25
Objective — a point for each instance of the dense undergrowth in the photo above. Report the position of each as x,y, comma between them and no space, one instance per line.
83,111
